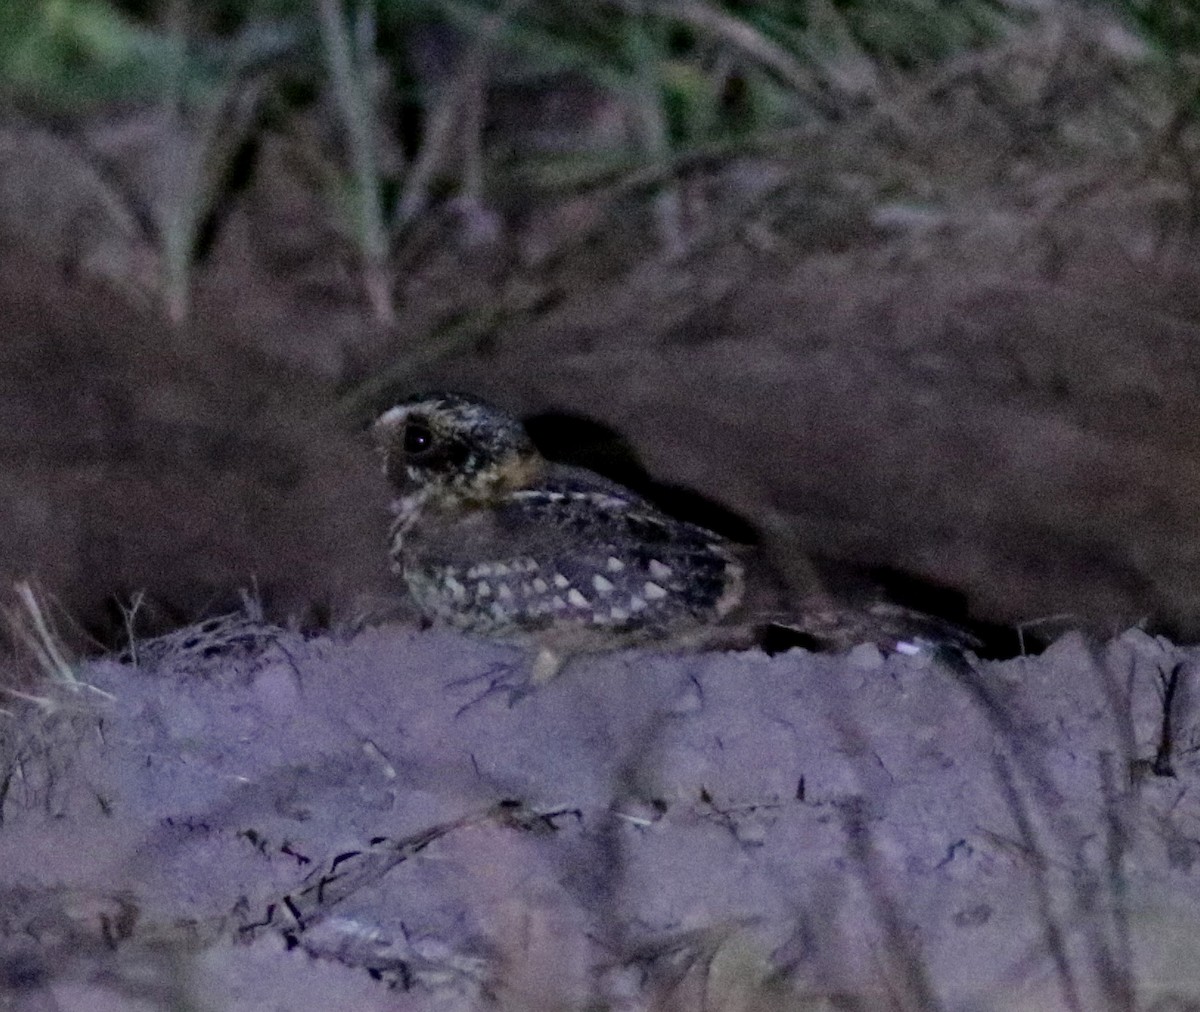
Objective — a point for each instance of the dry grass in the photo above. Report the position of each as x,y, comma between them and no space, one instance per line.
31,627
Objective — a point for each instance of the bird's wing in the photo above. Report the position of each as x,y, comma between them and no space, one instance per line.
577,532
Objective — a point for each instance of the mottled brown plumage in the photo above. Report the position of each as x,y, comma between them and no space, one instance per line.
493,539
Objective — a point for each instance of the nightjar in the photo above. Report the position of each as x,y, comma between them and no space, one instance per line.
492,538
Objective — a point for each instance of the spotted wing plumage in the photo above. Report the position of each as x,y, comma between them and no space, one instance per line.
571,551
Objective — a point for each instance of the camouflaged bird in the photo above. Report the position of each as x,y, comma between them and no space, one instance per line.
492,538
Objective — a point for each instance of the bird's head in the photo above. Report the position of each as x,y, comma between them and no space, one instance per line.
452,447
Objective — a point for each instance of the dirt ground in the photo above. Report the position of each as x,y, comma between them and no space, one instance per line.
246,819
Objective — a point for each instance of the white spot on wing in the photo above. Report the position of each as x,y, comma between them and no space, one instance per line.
653,591
504,593
658,570
539,585
483,589
602,585
614,565
735,587
561,582
618,614
577,598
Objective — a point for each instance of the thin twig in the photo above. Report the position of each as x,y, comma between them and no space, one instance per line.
42,641
439,136
1052,929
650,117
357,113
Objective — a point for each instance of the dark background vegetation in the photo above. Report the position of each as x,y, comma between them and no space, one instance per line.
905,289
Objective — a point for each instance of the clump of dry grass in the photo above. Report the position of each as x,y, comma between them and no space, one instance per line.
31,626
44,670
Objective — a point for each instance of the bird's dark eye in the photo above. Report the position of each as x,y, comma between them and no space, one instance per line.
417,438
